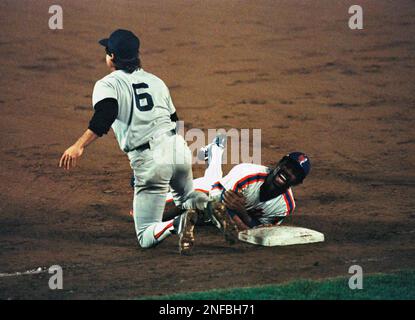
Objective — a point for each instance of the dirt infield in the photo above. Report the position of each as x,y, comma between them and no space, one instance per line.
292,68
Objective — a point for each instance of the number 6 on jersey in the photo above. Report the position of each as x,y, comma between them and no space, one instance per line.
144,100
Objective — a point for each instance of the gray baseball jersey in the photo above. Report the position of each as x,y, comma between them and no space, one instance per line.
144,106
144,109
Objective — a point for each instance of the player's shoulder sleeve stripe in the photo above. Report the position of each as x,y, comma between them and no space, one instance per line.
250,179
289,201
217,186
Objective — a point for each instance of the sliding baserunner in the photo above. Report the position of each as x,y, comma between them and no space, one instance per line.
249,195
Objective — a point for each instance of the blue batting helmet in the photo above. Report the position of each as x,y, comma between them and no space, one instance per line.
301,160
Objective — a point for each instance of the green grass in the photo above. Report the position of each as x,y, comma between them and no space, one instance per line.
395,286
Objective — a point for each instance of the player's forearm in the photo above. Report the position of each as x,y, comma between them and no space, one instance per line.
87,138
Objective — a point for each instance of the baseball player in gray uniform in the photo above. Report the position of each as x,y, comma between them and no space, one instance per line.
138,107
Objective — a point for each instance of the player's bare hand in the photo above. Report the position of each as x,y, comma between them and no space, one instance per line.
234,201
70,157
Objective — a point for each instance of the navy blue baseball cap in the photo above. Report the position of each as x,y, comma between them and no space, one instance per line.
123,43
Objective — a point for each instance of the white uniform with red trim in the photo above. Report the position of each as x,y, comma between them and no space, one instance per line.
248,179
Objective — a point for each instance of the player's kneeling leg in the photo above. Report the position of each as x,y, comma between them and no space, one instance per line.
148,213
